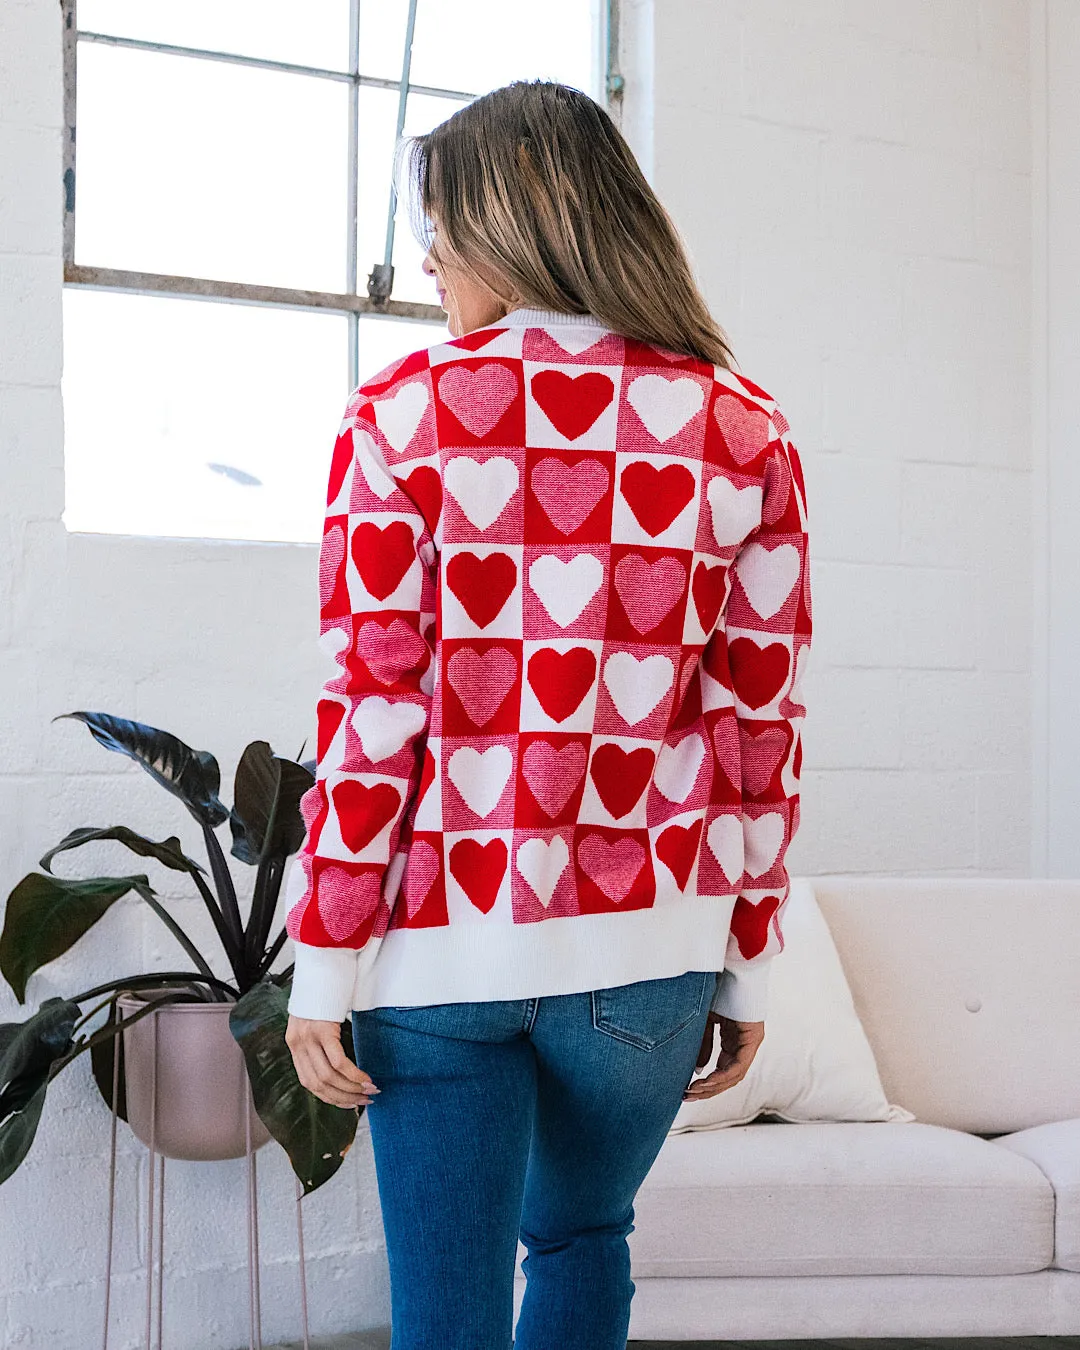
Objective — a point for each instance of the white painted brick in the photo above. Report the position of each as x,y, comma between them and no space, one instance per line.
865,403
1002,613
896,617
1005,34
1005,119
954,719
32,451
860,301
30,333
1004,805
948,29
853,719
31,219
1003,219
856,509
893,821
941,104
896,197
688,29
954,515
31,85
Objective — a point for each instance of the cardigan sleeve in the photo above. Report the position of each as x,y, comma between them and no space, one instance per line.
377,622
771,570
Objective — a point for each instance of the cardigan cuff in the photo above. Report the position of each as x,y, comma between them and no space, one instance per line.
323,982
742,991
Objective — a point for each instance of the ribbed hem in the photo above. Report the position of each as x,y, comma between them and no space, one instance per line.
742,992
480,962
547,318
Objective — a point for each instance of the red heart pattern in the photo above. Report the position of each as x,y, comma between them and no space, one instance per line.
479,869
656,496
677,849
621,777
483,585
560,680
383,555
564,581
572,403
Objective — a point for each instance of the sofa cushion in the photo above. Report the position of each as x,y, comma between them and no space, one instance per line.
851,1198
963,986
817,1067
1055,1151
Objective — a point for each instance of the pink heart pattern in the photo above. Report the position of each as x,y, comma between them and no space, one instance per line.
569,604
552,775
569,493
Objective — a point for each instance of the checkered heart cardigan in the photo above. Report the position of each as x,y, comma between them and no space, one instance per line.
565,584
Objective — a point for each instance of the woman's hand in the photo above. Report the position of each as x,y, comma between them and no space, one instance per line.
322,1065
739,1043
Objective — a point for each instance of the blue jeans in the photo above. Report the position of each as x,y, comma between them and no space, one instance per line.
536,1118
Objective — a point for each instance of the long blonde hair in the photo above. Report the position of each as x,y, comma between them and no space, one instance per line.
535,183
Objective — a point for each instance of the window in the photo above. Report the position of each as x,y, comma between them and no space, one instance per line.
234,257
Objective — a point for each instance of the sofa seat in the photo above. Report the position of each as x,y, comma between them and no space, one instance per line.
1055,1151
779,1199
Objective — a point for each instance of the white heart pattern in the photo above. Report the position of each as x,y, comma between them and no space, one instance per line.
542,864
565,588
726,842
385,727
377,479
482,490
764,837
480,776
665,406
678,766
735,511
767,575
399,417
636,687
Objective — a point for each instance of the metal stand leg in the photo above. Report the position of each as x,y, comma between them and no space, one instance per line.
254,1300
112,1193
254,1290
303,1271
150,1201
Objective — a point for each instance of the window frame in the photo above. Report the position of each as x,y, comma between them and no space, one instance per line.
379,301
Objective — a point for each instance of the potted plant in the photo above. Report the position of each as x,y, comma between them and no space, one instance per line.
195,1058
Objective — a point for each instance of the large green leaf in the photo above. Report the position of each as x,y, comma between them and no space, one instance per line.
168,851
46,915
17,1129
314,1134
265,819
191,775
27,1053
31,1046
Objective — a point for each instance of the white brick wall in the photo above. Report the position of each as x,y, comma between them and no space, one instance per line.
853,179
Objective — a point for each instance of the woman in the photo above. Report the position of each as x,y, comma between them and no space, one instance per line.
565,578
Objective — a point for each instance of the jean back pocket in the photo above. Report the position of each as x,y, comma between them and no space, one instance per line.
648,1013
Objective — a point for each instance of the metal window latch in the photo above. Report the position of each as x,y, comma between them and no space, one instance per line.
380,281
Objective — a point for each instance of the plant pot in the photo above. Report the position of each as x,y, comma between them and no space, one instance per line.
202,1092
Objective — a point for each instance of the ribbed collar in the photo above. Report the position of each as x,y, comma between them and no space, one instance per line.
546,318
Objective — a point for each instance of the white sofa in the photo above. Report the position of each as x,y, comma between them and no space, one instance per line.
965,1222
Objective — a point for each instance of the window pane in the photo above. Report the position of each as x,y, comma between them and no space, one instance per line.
382,37
553,40
203,169
315,33
377,124
196,418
